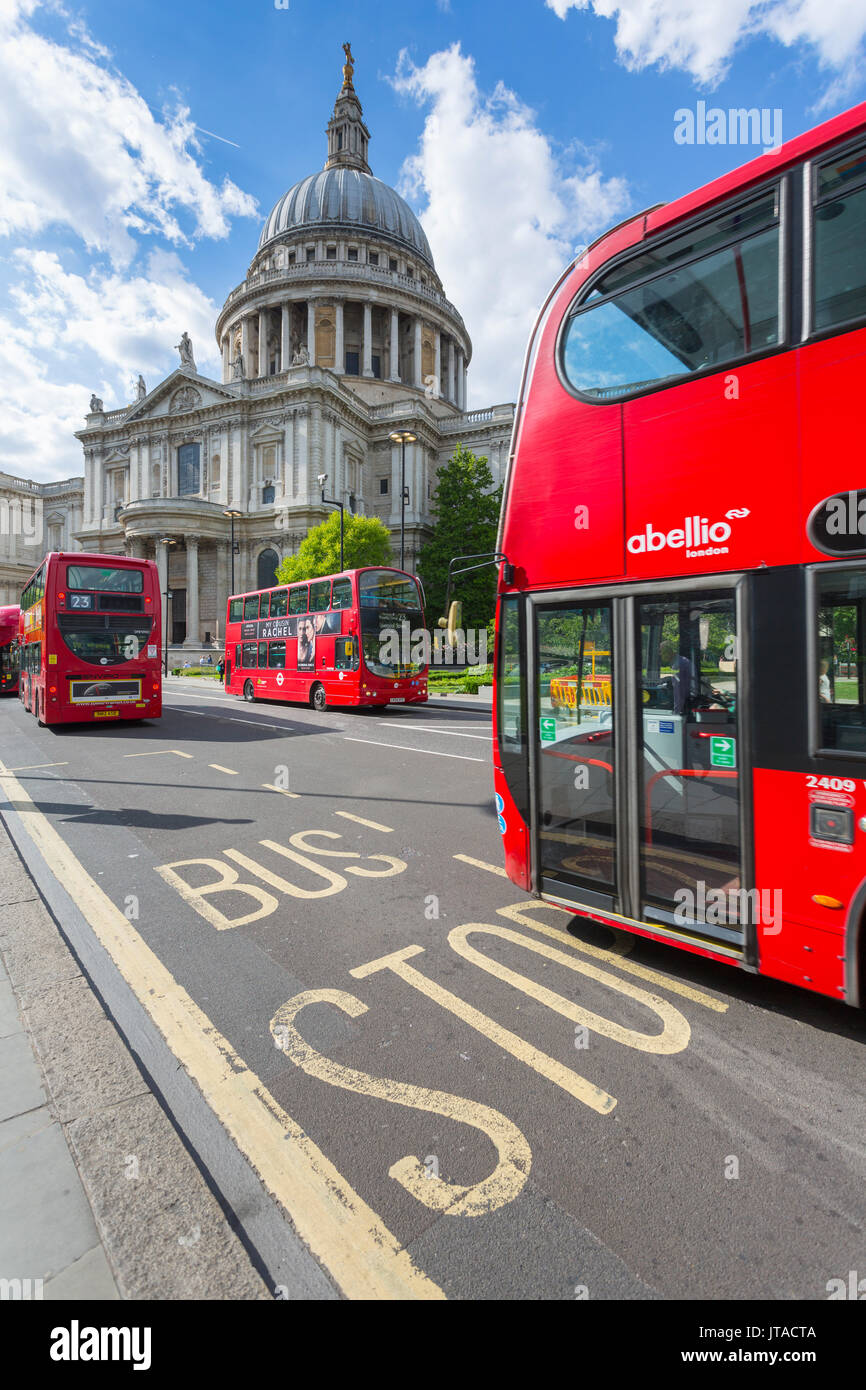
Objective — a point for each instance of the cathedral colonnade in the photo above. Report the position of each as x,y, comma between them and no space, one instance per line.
354,337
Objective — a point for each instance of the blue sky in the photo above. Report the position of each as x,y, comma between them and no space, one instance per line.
517,130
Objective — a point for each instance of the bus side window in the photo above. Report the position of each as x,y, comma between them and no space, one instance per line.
263,654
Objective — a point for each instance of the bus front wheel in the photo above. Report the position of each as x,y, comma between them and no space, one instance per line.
249,692
318,698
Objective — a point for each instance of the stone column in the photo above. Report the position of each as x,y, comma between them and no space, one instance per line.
287,489
465,387
394,371
162,571
263,343
192,621
245,346
311,332
227,358
339,343
285,340
452,389
460,380
416,355
368,340
437,361
98,489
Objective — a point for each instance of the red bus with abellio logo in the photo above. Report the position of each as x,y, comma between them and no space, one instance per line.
680,704
344,639
9,623
90,639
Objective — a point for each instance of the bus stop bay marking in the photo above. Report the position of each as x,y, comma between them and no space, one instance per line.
514,1157
562,1076
269,786
363,1256
158,753
228,880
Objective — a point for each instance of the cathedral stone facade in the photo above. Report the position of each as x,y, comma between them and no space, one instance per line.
339,336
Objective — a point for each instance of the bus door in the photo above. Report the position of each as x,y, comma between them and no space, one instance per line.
637,756
688,761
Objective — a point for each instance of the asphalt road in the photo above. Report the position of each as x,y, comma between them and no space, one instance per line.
588,1116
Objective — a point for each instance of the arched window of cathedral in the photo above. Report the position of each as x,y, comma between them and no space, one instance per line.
188,469
266,574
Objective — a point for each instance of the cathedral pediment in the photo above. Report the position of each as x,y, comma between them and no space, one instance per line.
181,393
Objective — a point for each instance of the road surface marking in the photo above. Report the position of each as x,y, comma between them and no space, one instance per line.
434,729
480,864
514,1154
217,767
548,1067
372,824
269,786
365,1259
517,913
33,766
198,898
158,753
403,749
675,1032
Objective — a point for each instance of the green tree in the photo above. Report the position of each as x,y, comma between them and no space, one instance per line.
465,508
365,542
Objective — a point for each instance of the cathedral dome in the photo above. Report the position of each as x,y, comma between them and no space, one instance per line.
342,197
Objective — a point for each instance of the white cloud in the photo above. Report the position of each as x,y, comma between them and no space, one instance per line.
503,212
80,147
70,335
81,152
701,38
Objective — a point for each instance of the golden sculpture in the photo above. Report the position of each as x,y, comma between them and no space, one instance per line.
348,67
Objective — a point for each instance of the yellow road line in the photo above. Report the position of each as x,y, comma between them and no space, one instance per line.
372,824
345,1234
158,753
33,766
282,791
480,864
217,767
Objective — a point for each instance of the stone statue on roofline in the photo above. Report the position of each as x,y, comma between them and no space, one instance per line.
140,388
238,370
96,406
184,347
348,68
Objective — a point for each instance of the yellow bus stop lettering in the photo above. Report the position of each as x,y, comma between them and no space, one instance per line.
228,882
514,1155
554,1071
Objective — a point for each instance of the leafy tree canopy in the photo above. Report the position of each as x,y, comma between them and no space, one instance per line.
465,509
365,542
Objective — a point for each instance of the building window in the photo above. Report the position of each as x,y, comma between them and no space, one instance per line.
268,494
188,469
339,139
353,253
291,258
392,262
266,572
351,364
383,487
311,253
376,364
372,257
410,271
331,253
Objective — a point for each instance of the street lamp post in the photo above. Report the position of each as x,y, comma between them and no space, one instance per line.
166,541
332,502
403,437
231,513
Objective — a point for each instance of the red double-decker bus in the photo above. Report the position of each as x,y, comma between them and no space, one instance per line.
680,705
90,639
347,639
9,623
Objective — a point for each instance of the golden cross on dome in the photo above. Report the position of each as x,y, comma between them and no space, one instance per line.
348,68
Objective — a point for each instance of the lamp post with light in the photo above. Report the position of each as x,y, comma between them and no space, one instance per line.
231,513
403,437
166,541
